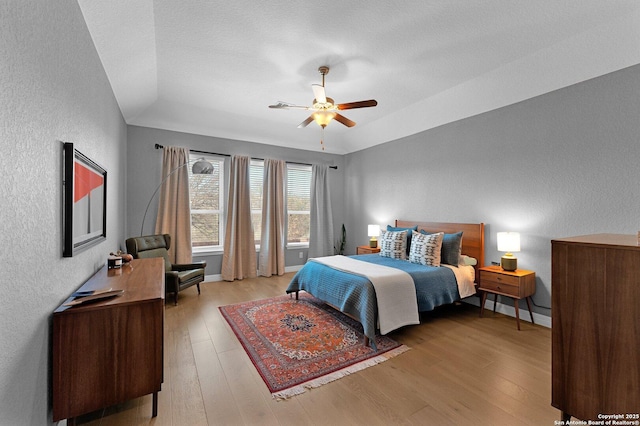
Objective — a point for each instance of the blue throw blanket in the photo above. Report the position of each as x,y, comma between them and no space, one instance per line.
355,295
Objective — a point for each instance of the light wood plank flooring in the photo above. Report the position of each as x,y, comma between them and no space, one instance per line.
461,370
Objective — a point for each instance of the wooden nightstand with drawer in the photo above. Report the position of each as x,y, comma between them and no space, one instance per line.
367,250
518,284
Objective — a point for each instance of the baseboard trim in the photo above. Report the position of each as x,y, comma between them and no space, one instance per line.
509,310
218,277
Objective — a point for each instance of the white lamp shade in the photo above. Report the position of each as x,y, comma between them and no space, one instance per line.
373,230
508,241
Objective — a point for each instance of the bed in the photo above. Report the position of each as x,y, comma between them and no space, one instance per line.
354,293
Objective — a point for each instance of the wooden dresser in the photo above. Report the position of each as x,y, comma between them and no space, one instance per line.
596,326
109,351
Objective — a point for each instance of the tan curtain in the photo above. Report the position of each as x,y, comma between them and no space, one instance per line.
239,258
321,227
174,213
272,239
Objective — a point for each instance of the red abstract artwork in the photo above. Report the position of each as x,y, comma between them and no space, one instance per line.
84,206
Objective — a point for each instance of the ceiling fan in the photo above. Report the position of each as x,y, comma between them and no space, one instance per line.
324,108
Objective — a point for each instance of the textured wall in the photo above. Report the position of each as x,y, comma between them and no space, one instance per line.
52,89
561,164
145,163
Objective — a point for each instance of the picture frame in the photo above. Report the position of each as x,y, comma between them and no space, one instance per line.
84,202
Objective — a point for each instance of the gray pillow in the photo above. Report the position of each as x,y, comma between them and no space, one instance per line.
451,248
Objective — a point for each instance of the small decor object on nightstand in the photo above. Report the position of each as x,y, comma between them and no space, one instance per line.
509,242
373,232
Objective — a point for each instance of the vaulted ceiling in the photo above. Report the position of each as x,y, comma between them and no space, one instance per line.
213,67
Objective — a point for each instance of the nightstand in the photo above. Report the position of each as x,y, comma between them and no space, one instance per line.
367,250
518,284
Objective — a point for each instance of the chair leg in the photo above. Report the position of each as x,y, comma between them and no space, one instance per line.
198,285
175,298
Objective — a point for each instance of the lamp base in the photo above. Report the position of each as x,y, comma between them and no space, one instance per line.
509,263
373,243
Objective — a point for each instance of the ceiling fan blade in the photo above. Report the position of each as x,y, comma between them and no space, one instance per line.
359,104
306,122
344,120
287,105
318,93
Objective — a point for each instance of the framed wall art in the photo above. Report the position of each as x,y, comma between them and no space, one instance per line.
84,202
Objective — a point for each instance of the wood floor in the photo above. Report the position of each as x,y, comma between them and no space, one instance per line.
461,370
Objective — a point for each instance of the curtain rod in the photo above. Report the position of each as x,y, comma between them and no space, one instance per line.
158,146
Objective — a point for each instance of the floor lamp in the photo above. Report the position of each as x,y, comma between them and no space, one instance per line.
200,167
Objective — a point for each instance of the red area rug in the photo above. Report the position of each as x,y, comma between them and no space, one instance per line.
302,344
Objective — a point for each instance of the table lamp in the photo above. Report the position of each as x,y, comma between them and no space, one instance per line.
509,242
373,231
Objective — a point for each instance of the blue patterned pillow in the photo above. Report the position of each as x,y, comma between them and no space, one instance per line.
451,248
409,233
425,248
393,244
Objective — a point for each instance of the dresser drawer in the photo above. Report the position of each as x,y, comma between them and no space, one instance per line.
500,287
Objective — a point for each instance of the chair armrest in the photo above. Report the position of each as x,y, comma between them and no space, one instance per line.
171,281
187,266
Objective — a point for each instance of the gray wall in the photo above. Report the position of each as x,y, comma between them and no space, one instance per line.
145,167
53,88
561,164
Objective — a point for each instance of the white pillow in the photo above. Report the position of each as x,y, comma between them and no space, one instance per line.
425,248
467,260
393,244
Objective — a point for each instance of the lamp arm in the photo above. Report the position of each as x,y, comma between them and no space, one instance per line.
156,191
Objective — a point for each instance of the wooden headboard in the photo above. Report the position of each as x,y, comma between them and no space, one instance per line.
472,236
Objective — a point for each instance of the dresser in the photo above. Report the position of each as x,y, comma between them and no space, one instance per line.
108,351
596,326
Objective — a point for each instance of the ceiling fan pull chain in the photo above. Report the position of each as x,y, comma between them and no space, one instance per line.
322,138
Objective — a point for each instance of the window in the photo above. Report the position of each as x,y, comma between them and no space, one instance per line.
206,197
298,204
256,177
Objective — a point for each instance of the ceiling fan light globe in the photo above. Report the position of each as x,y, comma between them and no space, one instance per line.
323,117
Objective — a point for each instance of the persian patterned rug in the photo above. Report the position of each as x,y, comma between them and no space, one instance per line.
302,344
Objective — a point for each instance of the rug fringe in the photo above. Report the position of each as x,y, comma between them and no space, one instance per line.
315,383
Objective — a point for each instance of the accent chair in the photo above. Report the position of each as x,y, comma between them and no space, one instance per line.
177,276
